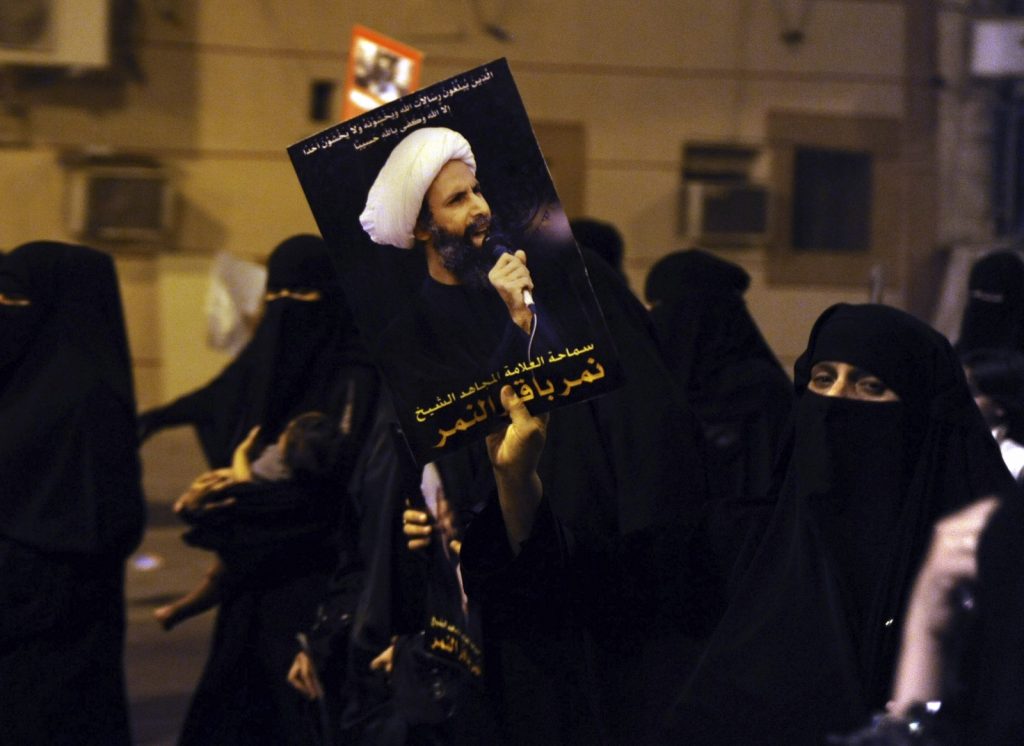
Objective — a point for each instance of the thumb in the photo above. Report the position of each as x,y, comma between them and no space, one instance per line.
515,406
525,425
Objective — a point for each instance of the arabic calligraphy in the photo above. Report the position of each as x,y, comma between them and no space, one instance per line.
574,352
449,639
527,387
424,107
479,412
422,414
586,377
475,388
524,366
540,360
526,390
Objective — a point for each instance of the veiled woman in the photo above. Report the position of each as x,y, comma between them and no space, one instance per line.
723,366
291,364
279,542
994,315
71,505
886,440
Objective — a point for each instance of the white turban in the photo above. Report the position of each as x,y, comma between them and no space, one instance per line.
396,197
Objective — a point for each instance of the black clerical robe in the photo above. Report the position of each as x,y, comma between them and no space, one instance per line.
447,338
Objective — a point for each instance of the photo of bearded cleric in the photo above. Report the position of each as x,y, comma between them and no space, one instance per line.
487,286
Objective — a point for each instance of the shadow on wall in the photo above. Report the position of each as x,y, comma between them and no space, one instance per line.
146,99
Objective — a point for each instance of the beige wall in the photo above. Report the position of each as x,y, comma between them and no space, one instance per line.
226,90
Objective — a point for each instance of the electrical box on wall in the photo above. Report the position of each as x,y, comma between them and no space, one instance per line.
120,201
44,33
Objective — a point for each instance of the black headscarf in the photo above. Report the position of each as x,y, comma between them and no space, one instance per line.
723,365
704,327
675,276
292,364
994,315
19,316
808,644
630,459
69,468
300,347
600,237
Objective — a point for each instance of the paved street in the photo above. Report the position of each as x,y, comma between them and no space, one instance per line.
163,667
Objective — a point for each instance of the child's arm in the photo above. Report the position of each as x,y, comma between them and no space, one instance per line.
203,597
240,467
206,483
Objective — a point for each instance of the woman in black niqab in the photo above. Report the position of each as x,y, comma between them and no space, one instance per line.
723,366
807,645
290,366
994,315
279,541
67,403
71,505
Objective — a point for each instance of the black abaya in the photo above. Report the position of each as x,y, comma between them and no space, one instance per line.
278,548
565,660
435,693
808,643
71,505
281,541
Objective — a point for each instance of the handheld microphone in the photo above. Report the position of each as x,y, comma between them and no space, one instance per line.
495,244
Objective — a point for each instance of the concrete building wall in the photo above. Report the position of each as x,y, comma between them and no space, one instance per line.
225,89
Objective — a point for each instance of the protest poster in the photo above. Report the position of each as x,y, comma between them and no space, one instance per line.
421,201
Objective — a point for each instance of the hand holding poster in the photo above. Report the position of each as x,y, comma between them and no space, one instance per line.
441,213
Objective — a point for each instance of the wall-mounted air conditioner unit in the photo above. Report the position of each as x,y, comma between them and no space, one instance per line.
45,33
724,214
120,201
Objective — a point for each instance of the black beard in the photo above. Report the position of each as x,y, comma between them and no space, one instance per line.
460,257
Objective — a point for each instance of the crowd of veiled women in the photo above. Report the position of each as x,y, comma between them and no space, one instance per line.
712,554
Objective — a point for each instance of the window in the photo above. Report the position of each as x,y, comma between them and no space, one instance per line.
837,200
831,200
